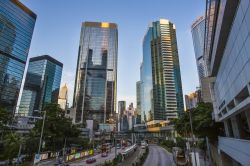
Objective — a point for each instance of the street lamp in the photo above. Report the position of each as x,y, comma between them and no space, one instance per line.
191,126
41,136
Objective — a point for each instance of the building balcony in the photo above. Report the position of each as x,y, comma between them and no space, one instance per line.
238,149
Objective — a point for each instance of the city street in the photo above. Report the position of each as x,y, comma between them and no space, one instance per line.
158,156
99,159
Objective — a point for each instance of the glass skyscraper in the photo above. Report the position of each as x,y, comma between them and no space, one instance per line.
42,84
161,88
95,84
198,34
16,28
138,102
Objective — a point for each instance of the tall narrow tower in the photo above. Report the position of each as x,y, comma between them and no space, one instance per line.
95,83
161,86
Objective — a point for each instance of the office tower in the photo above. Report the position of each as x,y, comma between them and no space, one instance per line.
16,28
138,102
198,33
130,114
121,113
227,54
42,84
192,100
160,73
63,97
121,107
95,83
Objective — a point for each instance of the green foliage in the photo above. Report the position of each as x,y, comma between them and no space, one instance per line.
203,125
168,144
180,142
57,128
11,145
5,119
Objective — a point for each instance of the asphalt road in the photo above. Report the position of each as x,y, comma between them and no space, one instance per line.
99,159
158,156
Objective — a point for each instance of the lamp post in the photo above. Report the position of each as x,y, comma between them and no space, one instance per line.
191,126
41,135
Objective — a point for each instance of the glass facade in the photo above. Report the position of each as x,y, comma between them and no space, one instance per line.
198,34
161,88
95,84
42,84
138,102
16,28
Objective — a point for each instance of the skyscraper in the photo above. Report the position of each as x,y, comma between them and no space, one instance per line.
42,84
63,97
138,102
160,73
198,33
121,115
95,83
16,28
192,100
227,55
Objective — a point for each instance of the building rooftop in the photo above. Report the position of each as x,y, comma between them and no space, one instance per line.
100,24
47,57
24,8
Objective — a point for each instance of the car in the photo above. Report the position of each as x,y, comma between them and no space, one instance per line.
90,160
104,154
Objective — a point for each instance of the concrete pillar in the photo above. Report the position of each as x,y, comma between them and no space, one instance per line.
247,112
235,127
226,128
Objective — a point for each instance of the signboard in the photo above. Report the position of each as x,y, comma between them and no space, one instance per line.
91,152
37,158
44,156
77,155
82,154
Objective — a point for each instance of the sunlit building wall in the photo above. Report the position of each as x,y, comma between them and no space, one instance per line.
161,87
63,98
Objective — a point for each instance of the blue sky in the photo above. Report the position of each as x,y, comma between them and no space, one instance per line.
57,33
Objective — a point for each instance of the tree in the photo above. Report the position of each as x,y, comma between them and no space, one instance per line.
12,143
203,124
57,128
5,119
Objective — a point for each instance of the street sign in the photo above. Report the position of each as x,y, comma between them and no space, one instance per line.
37,158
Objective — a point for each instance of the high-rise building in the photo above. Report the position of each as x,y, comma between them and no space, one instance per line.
130,114
42,84
198,34
121,111
121,108
192,100
227,55
96,73
161,88
16,28
63,98
138,102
